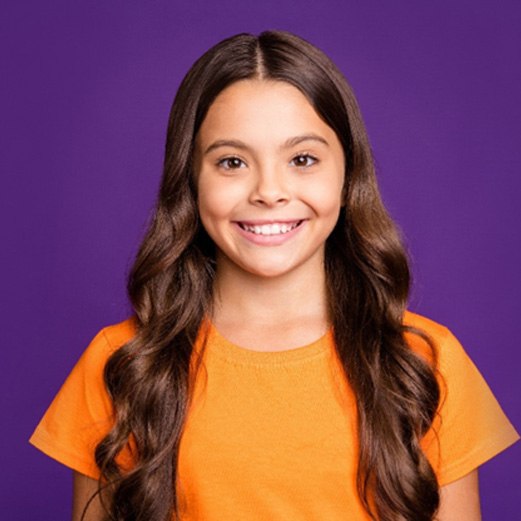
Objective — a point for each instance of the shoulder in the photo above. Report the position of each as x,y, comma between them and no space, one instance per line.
435,331
116,335
419,329
450,355
105,343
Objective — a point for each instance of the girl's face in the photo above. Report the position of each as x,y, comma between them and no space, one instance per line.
270,174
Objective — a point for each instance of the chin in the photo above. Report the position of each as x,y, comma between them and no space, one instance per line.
280,270
267,271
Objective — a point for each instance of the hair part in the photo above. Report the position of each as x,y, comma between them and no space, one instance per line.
170,288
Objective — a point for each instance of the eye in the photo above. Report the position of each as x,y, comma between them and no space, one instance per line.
304,160
231,163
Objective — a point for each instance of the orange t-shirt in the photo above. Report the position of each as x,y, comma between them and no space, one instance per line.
272,435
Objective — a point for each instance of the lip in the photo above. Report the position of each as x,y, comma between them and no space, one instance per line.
269,240
260,222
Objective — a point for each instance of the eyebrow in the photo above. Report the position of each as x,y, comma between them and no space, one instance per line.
289,143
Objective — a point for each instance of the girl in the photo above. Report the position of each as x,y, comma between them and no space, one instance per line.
271,371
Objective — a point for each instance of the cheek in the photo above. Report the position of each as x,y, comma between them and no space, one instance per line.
326,198
210,196
217,201
208,212
326,190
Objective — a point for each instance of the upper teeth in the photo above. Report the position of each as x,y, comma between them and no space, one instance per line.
270,229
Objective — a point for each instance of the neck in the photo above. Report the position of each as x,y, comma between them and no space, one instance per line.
270,301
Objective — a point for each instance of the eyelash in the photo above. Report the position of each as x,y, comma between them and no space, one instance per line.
310,160
225,161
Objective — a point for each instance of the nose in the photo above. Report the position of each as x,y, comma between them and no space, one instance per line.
270,189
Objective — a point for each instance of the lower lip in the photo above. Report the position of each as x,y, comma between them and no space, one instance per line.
269,240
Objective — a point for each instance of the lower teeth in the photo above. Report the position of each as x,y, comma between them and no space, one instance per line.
280,232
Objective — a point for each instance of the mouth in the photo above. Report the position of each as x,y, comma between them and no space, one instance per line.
275,228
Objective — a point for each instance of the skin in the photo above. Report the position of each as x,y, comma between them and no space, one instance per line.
264,155
83,489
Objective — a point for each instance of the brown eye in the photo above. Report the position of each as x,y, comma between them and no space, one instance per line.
231,163
303,160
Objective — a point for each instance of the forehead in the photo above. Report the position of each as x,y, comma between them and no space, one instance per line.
261,111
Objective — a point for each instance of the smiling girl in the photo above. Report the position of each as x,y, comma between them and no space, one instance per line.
271,370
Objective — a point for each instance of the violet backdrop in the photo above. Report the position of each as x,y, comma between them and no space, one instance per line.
85,93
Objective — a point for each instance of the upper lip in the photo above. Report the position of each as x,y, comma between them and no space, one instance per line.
260,222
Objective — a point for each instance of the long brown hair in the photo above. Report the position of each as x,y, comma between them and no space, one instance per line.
170,287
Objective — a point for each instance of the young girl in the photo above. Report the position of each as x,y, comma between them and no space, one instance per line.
271,370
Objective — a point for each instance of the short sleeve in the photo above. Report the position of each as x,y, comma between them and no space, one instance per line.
81,413
471,427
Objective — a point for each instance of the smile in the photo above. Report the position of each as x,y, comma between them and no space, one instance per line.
270,229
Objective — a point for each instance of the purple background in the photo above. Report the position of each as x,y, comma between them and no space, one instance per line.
85,97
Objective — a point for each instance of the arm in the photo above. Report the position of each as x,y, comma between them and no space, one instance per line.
83,489
459,500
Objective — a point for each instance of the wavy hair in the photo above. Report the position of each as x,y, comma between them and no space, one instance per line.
170,288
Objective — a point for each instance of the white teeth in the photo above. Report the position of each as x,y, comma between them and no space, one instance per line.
271,229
